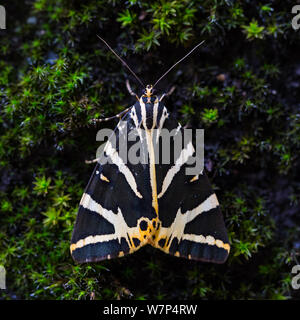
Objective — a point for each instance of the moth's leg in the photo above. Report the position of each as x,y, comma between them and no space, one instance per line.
119,115
168,93
91,161
130,90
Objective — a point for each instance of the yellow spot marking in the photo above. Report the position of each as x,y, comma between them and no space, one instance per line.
72,247
226,247
102,177
146,236
194,178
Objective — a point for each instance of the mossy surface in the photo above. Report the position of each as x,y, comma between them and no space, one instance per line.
242,86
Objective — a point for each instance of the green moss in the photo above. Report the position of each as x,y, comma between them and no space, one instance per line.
242,86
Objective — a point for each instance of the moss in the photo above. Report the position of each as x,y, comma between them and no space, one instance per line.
242,86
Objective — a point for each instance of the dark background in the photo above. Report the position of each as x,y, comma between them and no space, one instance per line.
241,86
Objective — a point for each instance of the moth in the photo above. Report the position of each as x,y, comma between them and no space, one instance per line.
126,206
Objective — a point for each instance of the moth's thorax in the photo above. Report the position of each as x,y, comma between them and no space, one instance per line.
149,108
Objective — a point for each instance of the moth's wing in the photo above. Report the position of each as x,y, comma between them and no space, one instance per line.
192,224
114,204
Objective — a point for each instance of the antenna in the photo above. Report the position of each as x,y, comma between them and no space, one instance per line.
199,44
124,63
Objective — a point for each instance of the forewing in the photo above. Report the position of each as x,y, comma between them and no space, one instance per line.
192,224
116,204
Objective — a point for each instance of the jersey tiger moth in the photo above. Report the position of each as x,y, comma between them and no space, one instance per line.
126,206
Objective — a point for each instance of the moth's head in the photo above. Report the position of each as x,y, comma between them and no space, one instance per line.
148,96
148,91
